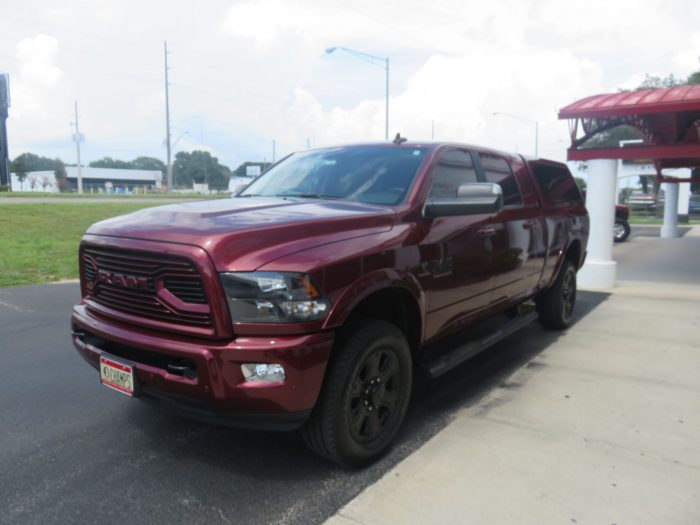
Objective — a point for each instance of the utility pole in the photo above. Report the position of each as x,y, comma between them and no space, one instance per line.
386,116
432,129
375,60
273,151
4,151
77,139
167,120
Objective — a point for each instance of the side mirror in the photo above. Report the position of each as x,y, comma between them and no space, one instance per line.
472,199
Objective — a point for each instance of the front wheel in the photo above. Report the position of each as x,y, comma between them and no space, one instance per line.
621,230
556,305
365,395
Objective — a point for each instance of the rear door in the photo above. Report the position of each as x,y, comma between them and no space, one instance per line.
563,203
518,238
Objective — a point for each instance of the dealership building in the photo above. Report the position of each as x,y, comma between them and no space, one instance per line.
95,180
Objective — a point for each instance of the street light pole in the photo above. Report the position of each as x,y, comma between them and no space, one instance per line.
386,116
535,122
77,150
382,62
168,145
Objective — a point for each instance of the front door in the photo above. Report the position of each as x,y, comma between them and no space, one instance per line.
455,252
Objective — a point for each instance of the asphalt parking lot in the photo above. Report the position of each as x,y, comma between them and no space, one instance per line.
74,451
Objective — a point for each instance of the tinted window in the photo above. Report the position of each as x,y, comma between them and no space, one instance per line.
497,171
556,183
372,174
453,169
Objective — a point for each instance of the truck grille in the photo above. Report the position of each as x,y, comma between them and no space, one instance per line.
160,287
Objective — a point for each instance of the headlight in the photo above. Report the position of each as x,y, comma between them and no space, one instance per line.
272,297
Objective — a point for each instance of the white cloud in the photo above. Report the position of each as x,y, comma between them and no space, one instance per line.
688,60
38,73
251,71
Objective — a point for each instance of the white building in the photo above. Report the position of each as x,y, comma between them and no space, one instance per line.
95,180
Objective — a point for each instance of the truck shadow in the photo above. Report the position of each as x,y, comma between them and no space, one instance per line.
269,462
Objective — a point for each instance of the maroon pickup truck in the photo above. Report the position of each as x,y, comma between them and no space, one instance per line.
311,297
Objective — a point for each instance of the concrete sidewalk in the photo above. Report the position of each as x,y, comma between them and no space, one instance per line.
602,427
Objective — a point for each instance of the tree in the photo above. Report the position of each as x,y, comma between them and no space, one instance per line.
19,166
652,81
109,162
61,177
45,182
199,167
31,162
148,163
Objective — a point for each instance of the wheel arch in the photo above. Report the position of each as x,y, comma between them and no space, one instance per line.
386,295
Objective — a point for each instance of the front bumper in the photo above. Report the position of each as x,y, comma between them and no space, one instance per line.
212,387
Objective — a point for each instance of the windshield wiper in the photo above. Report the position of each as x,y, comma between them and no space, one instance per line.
308,196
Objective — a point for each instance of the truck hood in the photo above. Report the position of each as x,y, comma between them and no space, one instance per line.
242,234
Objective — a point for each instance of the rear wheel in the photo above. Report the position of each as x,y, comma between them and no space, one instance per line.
621,230
556,305
365,395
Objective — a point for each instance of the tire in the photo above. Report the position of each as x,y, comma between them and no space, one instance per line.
621,230
365,395
555,306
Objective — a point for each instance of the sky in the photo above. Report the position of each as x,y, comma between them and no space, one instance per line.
246,73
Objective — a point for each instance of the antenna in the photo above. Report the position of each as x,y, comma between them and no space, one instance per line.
398,139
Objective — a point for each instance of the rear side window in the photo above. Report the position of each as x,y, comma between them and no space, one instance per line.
556,184
497,171
453,169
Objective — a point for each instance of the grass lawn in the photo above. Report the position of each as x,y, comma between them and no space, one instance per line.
641,219
39,242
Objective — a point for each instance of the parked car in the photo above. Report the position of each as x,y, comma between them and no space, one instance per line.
309,299
638,200
694,205
621,230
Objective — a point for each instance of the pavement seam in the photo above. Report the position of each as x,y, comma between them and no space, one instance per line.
350,518
586,439
15,308
632,379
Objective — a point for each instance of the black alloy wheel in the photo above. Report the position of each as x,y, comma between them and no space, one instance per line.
373,396
555,305
365,394
568,294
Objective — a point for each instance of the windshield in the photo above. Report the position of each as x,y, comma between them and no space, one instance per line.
371,174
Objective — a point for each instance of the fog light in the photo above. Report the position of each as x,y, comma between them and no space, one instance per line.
263,372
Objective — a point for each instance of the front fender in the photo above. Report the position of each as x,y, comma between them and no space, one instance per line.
370,283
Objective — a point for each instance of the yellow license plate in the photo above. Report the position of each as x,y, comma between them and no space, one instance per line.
117,375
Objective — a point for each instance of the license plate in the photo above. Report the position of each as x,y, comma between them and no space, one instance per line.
117,375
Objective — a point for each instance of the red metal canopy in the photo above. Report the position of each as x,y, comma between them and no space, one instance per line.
668,118
670,100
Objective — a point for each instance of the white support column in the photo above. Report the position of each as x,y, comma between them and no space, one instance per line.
670,228
683,199
600,270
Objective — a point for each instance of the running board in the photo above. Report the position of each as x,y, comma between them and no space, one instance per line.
465,351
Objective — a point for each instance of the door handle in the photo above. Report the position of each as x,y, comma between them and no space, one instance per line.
486,232
527,225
